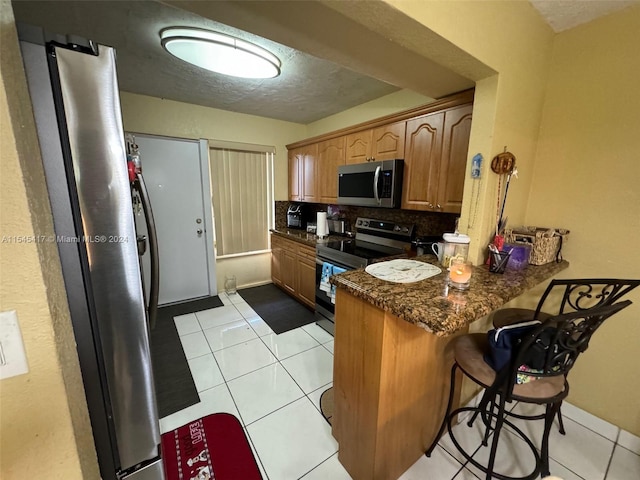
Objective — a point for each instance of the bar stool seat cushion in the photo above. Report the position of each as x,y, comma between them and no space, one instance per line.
469,351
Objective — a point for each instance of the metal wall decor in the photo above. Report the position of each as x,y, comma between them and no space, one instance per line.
503,162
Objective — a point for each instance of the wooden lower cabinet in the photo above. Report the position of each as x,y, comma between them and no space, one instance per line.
389,406
293,268
276,260
287,273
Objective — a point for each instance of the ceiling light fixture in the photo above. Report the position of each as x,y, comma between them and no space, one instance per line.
220,53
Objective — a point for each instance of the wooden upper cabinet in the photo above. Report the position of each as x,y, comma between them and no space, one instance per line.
381,143
422,162
433,140
309,175
303,174
331,154
295,168
435,160
388,141
453,165
358,147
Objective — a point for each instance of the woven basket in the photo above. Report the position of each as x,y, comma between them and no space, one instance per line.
546,243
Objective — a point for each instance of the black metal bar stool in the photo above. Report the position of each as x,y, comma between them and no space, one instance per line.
563,296
548,351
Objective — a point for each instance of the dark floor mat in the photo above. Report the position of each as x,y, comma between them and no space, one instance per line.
281,312
175,389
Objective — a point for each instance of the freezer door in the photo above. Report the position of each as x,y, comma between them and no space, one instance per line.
96,156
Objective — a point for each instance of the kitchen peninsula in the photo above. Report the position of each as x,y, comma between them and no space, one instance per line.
392,365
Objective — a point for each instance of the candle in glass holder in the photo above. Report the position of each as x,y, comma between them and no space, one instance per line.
459,274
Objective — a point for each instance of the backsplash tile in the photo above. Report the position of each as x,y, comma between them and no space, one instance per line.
427,223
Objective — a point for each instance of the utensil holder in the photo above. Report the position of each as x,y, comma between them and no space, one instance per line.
498,261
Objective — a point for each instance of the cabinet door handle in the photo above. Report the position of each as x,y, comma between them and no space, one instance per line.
439,207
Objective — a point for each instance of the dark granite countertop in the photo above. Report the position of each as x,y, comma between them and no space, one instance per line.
302,236
432,305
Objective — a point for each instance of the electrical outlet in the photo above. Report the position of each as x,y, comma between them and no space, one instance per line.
13,359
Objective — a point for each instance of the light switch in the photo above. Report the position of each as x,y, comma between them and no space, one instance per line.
13,359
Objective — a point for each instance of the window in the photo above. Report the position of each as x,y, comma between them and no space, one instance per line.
242,188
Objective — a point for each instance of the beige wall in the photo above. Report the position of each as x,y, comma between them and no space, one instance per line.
512,39
155,116
582,175
392,103
587,179
43,414
144,114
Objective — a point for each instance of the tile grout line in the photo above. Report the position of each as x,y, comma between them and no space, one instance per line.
307,395
277,360
288,373
615,444
226,384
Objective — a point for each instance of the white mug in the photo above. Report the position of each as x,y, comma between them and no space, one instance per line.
438,250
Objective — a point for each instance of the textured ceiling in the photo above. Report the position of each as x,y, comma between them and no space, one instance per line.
308,89
565,14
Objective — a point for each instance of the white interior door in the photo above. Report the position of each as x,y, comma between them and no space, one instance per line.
177,178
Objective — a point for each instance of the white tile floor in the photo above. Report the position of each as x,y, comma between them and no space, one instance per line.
273,383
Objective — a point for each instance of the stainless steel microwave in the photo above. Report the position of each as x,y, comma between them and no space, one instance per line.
371,184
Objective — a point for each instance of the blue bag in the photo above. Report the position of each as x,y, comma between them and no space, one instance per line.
504,341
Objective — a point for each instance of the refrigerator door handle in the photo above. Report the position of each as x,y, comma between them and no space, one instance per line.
153,250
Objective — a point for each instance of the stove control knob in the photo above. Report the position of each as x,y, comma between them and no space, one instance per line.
405,230
396,228
359,222
365,223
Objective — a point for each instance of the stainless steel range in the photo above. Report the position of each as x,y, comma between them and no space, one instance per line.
374,239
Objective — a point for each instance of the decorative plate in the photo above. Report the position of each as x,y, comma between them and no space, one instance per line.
402,270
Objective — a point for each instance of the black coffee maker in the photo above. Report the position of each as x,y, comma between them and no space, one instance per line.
295,216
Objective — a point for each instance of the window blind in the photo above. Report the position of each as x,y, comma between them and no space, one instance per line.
242,189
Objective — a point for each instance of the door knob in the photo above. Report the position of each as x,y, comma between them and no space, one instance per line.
199,231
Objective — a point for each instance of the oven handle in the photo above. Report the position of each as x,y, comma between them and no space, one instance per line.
320,261
376,179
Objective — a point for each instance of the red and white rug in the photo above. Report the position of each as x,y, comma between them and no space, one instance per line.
213,447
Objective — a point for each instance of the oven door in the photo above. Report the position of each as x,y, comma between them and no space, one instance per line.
325,309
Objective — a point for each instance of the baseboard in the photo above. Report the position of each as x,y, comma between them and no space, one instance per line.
255,284
598,425
629,441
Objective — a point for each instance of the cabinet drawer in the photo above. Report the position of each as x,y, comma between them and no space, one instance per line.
307,252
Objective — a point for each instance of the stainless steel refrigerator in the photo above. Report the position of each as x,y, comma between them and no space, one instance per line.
74,91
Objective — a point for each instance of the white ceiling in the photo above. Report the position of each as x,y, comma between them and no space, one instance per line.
308,89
